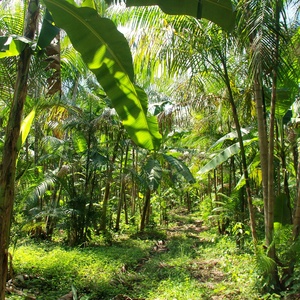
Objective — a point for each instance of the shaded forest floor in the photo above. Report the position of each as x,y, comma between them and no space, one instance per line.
185,261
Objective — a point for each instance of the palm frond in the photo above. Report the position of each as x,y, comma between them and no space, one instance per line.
38,191
12,18
257,22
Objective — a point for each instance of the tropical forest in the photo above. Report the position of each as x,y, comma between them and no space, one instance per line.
149,149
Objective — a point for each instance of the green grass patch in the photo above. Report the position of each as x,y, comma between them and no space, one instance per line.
193,264
54,269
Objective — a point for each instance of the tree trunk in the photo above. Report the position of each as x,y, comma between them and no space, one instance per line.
10,149
296,219
263,140
271,194
122,193
283,170
108,183
243,153
145,210
134,190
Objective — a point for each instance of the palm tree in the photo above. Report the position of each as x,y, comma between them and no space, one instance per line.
265,28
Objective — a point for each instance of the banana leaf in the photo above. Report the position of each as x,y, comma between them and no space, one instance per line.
48,31
153,172
220,12
12,45
229,136
180,167
222,156
25,128
106,52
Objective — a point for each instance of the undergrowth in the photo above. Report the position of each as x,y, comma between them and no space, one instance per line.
192,263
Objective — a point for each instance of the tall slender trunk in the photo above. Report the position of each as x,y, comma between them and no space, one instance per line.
10,150
263,140
108,182
296,219
88,182
134,191
146,210
271,193
121,193
284,171
122,197
243,153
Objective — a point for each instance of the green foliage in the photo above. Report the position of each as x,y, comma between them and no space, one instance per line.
211,10
180,167
12,46
48,31
153,173
222,156
282,212
78,153
25,128
90,270
106,53
195,265
264,265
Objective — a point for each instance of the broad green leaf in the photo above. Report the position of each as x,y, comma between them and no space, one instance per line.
106,52
180,167
79,142
285,99
48,31
25,128
154,173
220,12
221,157
98,159
88,3
12,45
152,120
282,213
229,136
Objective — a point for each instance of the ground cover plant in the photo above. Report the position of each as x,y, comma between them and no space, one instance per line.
183,261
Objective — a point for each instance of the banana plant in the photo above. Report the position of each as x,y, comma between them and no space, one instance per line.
152,174
106,52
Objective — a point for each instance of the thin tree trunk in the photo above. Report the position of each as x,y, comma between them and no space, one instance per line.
145,210
90,208
243,154
108,183
263,141
88,183
284,171
271,194
296,219
121,193
10,150
134,191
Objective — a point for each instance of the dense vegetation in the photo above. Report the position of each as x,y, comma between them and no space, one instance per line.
112,150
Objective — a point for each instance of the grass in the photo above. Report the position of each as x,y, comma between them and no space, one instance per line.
91,270
194,264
